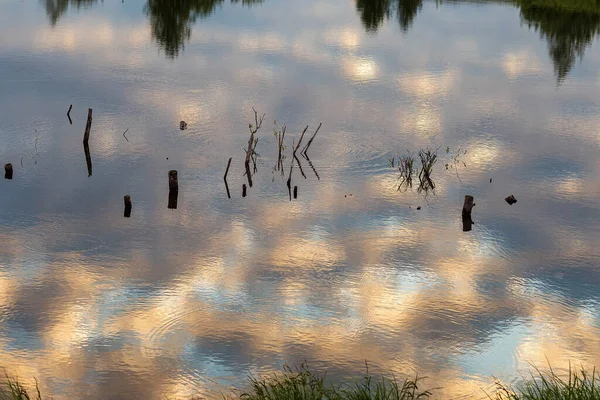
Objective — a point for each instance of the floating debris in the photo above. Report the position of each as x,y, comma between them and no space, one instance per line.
511,200
182,125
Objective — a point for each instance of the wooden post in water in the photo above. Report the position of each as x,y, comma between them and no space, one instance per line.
466,213
295,192
173,189
88,126
127,201
244,190
468,205
8,171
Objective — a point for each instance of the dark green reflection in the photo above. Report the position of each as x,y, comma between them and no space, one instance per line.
56,8
569,26
171,21
568,32
374,12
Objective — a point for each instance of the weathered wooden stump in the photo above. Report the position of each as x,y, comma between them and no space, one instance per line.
173,189
127,201
173,181
8,171
468,205
466,213
295,192
511,200
244,190
88,127
182,125
467,223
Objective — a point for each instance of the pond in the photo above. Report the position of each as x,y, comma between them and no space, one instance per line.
190,300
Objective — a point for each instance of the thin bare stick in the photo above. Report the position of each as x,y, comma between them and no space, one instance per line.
88,126
289,181
125,133
300,141
227,170
311,139
280,143
300,166
69,114
312,166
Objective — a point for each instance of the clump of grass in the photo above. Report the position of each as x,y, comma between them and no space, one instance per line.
384,389
578,385
12,389
406,166
428,160
303,384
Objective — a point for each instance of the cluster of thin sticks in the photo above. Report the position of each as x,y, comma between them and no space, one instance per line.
252,155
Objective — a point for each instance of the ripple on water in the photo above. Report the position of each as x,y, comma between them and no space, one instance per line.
61,242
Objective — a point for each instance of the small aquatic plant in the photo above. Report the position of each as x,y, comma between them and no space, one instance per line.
406,166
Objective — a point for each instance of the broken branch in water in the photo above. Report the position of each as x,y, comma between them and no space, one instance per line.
126,130
69,114
88,158
88,126
252,142
305,148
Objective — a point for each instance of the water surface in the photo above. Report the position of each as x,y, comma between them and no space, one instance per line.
190,301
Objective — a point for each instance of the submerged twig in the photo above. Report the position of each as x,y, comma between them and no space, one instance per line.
300,141
311,166
225,177
69,114
300,166
126,130
305,148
